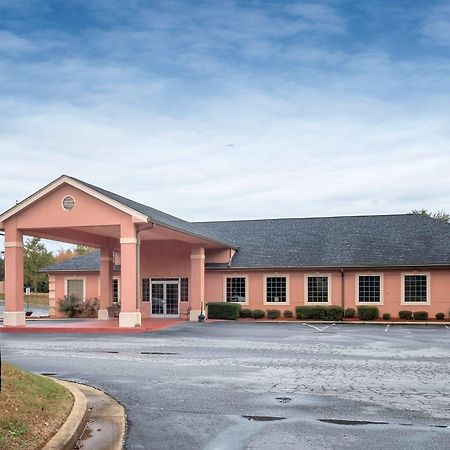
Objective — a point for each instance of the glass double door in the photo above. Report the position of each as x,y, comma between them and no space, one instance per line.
165,298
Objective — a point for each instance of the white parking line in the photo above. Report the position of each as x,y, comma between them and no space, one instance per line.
320,330
387,328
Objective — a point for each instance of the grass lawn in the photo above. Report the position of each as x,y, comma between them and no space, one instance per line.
32,409
35,299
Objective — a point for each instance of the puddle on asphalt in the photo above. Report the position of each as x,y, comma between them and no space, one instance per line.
263,418
369,422
283,399
352,422
158,353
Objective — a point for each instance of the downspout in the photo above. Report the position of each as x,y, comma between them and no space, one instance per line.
230,258
342,289
138,264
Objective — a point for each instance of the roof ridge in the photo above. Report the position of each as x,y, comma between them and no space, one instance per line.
307,218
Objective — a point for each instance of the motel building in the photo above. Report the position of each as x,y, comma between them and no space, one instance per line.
157,265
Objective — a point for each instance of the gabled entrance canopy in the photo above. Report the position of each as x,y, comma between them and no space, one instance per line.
70,210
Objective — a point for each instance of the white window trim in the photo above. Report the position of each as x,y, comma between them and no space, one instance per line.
62,202
402,300
305,293
369,274
66,279
276,275
235,275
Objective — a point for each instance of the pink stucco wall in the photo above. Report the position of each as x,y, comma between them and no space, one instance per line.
162,259
92,287
439,289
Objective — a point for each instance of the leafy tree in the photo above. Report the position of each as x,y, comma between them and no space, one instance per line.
440,215
36,256
82,250
64,254
2,267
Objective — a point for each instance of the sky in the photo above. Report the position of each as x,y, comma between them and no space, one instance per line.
221,110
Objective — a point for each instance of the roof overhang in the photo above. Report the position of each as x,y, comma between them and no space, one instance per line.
64,179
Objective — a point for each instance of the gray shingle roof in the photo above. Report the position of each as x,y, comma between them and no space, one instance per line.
90,262
352,241
160,217
332,242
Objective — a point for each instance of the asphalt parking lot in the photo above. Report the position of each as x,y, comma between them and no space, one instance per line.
228,385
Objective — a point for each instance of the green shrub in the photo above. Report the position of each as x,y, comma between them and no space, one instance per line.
273,314
440,316
70,305
319,312
405,314
287,314
368,312
420,315
223,310
386,316
90,308
259,314
349,312
246,313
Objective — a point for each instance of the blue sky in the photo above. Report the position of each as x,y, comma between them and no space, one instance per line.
225,110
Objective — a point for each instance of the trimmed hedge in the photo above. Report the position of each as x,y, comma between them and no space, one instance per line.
287,314
222,310
405,314
259,314
319,312
349,312
440,316
420,315
273,314
386,316
368,312
246,313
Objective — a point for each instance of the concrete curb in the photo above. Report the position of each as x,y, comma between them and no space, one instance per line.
350,322
68,434
106,421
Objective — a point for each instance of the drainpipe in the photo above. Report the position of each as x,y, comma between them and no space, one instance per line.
230,258
138,263
342,289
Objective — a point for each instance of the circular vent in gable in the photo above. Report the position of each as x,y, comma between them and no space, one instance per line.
68,203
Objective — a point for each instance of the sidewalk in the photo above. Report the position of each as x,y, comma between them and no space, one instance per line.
97,421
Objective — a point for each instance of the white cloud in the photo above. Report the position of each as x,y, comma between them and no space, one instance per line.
225,116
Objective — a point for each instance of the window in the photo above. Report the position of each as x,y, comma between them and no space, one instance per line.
415,288
369,289
68,203
184,287
146,289
75,288
276,290
235,289
317,289
115,290
184,290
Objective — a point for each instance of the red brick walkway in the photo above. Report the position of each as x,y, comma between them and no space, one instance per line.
89,326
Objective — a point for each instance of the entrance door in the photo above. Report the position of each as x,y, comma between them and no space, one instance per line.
165,298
